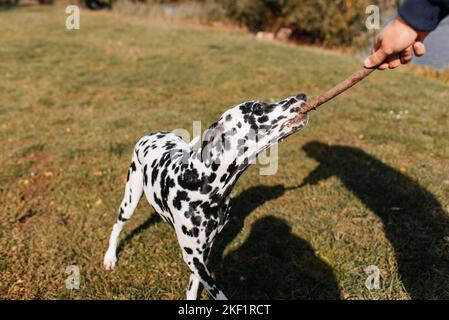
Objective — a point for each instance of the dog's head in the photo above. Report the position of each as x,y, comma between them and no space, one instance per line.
267,123
251,127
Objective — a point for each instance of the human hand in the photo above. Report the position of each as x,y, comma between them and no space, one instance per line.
395,45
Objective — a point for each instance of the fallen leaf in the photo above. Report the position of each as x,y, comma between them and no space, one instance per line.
98,173
48,174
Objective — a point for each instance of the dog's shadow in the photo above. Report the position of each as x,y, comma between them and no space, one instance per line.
273,263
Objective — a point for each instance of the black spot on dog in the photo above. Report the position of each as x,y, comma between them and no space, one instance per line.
194,232
215,291
245,108
145,176
120,217
211,226
263,119
212,177
202,272
215,166
180,196
196,220
158,201
188,250
154,163
154,175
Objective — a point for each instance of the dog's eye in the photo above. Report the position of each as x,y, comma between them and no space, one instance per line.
258,109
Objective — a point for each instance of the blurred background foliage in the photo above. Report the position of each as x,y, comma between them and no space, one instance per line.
330,23
325,22
335,24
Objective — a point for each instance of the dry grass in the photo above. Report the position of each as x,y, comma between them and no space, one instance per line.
431,73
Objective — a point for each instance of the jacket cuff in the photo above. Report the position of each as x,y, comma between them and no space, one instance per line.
421,15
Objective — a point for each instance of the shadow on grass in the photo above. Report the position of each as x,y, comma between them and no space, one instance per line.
273,263
413,219
153,219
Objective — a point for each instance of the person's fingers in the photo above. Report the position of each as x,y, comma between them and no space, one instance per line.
383,66
393,61
419,49
376,58
407,55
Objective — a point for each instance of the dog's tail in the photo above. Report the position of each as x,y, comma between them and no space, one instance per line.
133,189
141,149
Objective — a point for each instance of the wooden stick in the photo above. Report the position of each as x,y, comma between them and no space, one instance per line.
335,91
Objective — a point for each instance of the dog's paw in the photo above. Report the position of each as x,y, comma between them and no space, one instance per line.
109,261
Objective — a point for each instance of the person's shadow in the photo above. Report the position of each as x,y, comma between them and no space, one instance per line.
273,263
413,219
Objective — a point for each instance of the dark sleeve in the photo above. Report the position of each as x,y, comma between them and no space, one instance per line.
424,15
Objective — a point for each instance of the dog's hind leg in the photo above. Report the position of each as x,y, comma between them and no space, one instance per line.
133,193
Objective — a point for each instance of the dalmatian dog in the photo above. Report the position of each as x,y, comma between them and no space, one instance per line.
190,187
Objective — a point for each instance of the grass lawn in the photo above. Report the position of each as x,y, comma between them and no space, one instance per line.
367,183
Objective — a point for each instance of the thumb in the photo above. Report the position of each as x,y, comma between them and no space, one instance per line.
419,48
376,58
